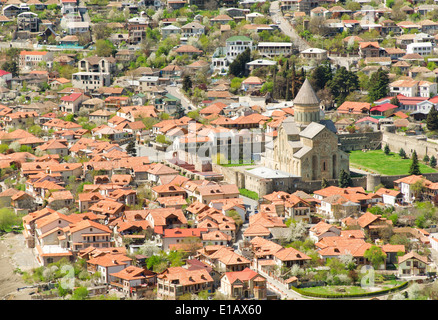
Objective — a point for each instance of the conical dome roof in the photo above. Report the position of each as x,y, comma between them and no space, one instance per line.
306,95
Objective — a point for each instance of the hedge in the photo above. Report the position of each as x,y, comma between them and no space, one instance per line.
357,295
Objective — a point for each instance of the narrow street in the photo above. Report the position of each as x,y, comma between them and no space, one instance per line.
185,102
286,27
280,288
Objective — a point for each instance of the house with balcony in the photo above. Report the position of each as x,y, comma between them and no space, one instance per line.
107,264
94,73
176,237
31,60
245,284
71,103
167,31
75,27
192,29
20,119
87,233
28,21
224,56
49,238
69,6
177,281
134,281
412,264
275,49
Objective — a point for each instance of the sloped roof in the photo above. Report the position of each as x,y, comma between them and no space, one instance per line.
306,95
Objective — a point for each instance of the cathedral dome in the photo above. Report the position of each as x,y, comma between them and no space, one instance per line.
306,95
306,105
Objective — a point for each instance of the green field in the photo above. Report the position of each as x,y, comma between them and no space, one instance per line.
375,161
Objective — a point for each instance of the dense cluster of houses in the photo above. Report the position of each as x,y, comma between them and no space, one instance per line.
85,196
107,228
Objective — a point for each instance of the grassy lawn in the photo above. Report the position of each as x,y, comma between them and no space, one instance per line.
375,161
250,194
240,164
349,289
336,290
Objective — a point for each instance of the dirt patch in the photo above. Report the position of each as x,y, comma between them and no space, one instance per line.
14,254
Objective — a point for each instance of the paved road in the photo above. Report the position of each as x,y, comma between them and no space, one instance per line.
176,91
14,254
282,289
286,27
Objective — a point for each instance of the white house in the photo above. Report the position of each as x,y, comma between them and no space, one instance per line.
404,186
169,30
107,265
427,89
413,88
223,56
421,48
272,49
390,197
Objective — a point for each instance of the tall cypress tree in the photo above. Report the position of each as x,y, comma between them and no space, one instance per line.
379,85
432,162
415,167
344,179
432,119
293,80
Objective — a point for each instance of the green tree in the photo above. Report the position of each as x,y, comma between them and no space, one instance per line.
161,139
104,48
194,114
344,179
432,162
324,183
386,149
8,219
418,188
80,293
321,75
343,83
379,85
236,217
420,221
130,149
415,167
235,84
187,83
70,117
10,66
375,255
149,122
426,158
432,120
237,68
402,153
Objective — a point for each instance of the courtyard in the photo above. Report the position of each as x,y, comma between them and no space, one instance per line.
376,161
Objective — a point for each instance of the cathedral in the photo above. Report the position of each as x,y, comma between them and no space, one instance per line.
307,146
